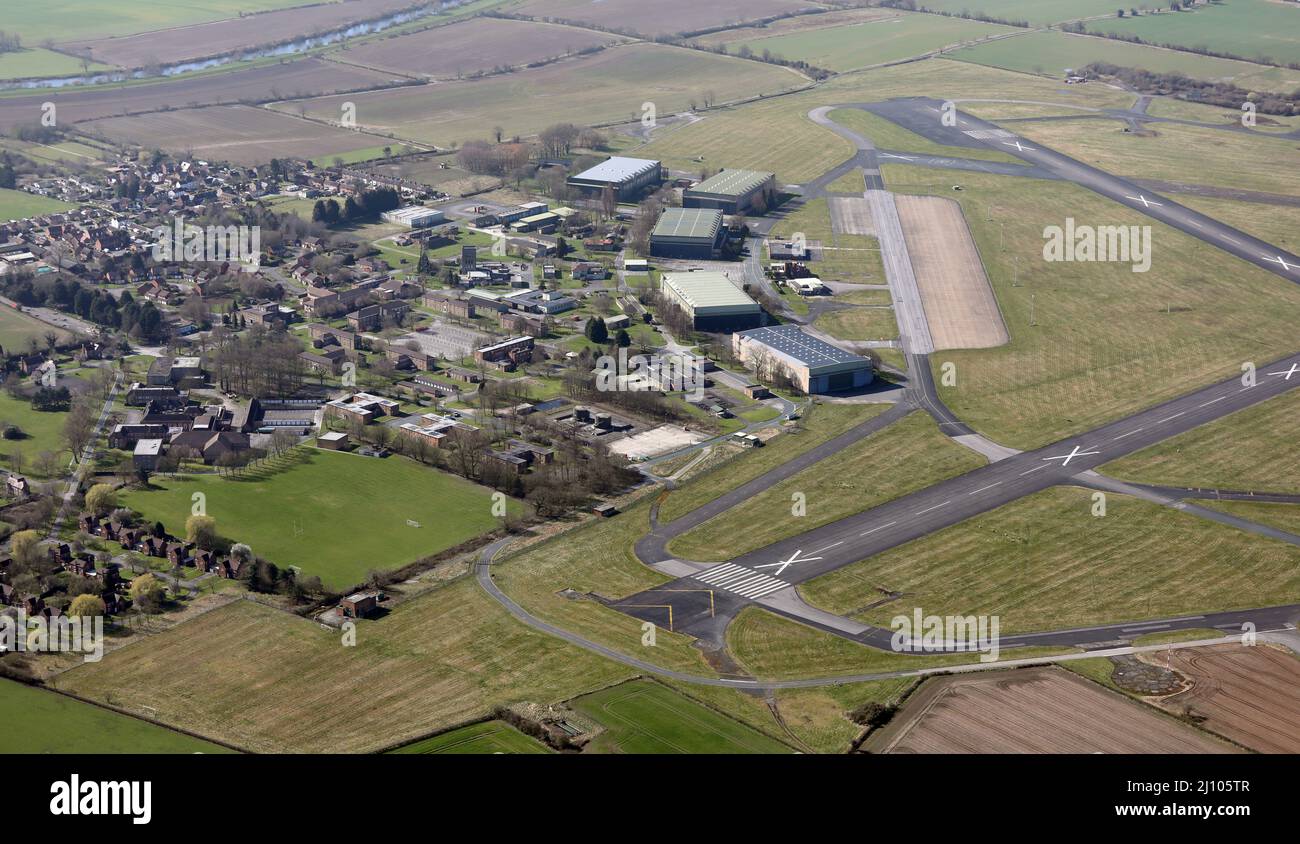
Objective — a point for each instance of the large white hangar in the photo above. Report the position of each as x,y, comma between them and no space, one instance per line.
814,365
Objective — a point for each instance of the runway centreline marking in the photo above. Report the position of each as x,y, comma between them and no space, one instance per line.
1035,469
1168,418
930,509
981,489
1129,434
873,530
1212,401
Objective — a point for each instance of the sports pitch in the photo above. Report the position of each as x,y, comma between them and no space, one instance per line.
337,516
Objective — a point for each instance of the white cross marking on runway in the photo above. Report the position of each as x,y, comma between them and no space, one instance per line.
1075,452
1280,260
1286,374
1147,202
794,558
741,581
1018,146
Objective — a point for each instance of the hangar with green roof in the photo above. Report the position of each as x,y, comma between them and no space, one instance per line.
733,192
687,233
711,300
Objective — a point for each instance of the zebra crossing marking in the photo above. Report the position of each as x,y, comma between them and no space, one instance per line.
741,581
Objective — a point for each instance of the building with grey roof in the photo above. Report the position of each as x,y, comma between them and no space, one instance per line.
711,300
733,192
687,233
628,177
813,365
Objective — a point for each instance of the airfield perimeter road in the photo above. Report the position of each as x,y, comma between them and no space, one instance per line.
704,607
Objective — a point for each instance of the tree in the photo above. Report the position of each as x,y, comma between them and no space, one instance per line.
596,331
147,593
623,338
202,531
25,546
101,499
86,606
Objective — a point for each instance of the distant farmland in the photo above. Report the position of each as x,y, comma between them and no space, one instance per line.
615,84
868,40
1033,11
473,46
303,78
240,134
662,17
1051,53
1251,29
205,40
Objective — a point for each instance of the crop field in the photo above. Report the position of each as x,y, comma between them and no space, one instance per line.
643,716
54,723
908,455
229,34
1103,341
664,17
1249,695
1251,29
487,737
62,20
1053,53
306,77
30,63
871,41
1034,710
1036,12
268,681
481,45
1226,454
19,205
1045,563
616,83
239,134
819,717
321,512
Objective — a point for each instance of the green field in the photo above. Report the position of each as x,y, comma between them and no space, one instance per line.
1033,11
1251,29
1045,562
1052,53
645,717
269,681
337,516
1106,341
18,329
1275,224
615,84
1226,454
19,205
906,456
40,721
488,737
43,430
31,63
1281,516
873,323
871,42
70,20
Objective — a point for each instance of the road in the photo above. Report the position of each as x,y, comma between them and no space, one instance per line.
87,453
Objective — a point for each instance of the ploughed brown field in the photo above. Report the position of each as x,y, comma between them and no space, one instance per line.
661,17
240,134
1035,710
1250,695
219,38
478,45
302,78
